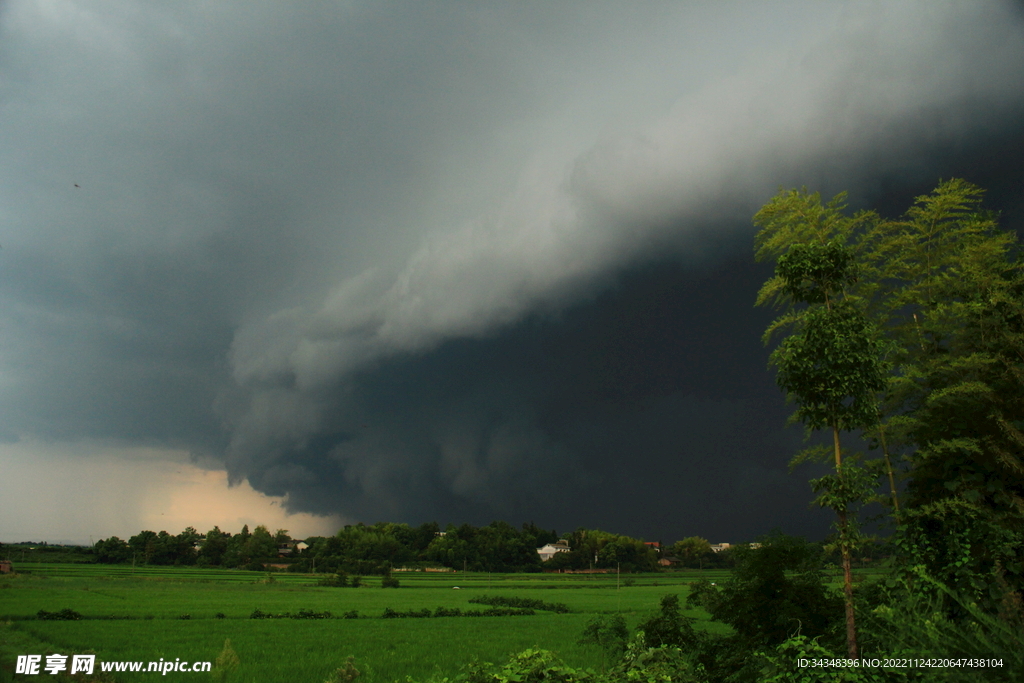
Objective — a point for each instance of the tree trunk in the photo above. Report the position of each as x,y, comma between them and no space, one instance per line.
851,626
844,546
888,470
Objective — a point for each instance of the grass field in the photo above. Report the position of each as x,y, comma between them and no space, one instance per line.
138,616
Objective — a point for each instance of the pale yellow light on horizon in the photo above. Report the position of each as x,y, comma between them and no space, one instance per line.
82,492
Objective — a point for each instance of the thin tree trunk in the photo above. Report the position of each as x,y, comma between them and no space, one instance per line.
844,546
888,469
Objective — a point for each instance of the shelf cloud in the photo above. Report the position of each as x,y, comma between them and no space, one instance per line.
457,262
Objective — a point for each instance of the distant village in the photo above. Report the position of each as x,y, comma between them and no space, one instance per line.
386,547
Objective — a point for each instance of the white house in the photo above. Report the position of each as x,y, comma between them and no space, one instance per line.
549,551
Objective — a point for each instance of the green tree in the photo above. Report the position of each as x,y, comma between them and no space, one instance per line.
774,591
832,365
262,544
185,546
944,285
607,632
112,551
954,299
143,545
692,550
214,546
237,553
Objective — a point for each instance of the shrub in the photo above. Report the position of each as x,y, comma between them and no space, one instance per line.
339,580
527,603
63,615
227,661
669,626
774,591
345,674
608,633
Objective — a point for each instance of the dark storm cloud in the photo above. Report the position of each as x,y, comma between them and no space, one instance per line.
416,261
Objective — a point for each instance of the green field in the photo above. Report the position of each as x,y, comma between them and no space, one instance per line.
138,616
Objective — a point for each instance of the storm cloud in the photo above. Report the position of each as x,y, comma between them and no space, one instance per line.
417,261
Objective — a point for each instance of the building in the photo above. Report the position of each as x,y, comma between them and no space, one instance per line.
551,549
719,547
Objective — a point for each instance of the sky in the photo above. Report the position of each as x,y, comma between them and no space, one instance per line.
307,265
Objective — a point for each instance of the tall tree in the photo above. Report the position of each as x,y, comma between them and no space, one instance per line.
833,366
950,290
943,285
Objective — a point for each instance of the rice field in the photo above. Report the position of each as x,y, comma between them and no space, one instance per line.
188,613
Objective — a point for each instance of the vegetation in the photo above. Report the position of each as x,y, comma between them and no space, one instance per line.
910,333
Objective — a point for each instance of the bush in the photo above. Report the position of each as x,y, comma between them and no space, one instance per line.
774,591
345,674
63,615
527,603
339,580
608,633
530,666
669,626
455,612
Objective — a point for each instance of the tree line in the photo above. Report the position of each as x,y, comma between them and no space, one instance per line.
374,549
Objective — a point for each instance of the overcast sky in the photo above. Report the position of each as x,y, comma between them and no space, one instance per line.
452,261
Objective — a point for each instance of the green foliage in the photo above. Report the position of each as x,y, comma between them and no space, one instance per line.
339,580
605,550
607,632
530,603
112,551
529,666
815,273
784,665
669,627
226,664
693,551
346,673
426,613
664,664
833,366
775,591
914,620
963,550
65,614
301,614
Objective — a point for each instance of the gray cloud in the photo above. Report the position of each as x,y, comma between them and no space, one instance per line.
336,247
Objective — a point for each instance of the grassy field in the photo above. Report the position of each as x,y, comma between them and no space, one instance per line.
140,616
